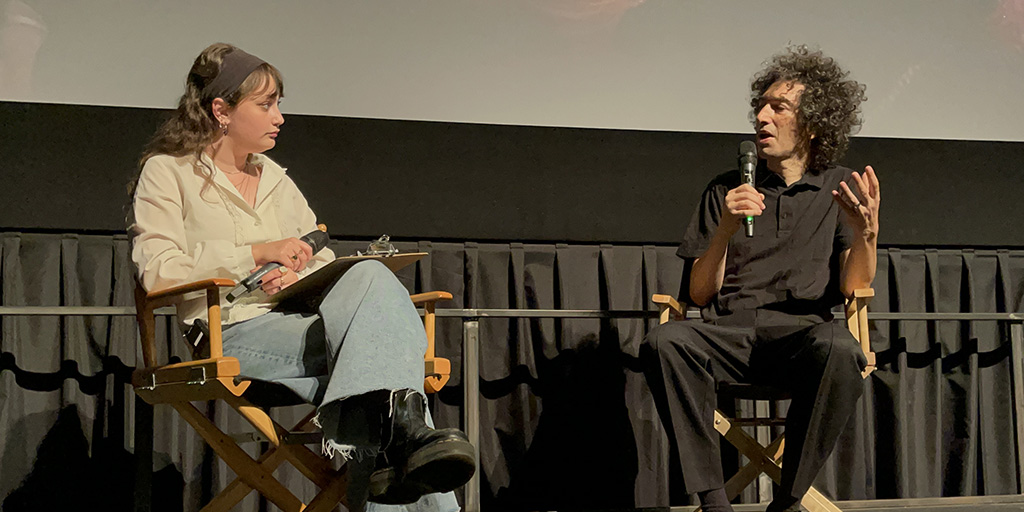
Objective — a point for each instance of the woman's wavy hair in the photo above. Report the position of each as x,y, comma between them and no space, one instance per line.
829,107
192,127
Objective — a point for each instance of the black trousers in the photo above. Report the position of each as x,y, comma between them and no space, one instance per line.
819,363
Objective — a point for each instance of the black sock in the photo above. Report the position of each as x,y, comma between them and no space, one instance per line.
714,501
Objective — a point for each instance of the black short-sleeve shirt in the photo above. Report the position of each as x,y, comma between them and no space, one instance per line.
791,263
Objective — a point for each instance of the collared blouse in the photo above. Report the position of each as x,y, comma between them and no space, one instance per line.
188,229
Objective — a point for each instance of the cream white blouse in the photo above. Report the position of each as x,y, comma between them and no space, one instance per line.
186,229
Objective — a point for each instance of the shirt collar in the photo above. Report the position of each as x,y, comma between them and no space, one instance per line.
811,179
271,175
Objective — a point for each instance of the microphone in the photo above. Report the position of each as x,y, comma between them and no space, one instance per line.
317,240
748,162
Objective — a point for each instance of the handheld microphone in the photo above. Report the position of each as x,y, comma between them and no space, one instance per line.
317,240
748,162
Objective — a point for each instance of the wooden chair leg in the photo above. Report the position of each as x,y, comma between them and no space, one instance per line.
237,490
243,465
317,469
814,501
258,418
748,446
330,496
752,469
765,459
314,467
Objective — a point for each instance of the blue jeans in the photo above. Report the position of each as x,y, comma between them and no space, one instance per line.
366,336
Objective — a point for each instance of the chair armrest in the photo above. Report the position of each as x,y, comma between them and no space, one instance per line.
437,369
145,303
167,296
668,307
421,298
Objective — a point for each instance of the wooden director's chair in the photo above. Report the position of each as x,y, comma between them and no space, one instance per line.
767,459
217,378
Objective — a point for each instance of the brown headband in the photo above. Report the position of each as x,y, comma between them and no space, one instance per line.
235,67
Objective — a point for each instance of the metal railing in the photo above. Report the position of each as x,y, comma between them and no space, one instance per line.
471,363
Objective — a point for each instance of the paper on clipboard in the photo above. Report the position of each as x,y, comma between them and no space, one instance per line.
310,288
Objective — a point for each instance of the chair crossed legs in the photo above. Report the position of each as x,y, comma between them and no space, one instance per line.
217,378
767,459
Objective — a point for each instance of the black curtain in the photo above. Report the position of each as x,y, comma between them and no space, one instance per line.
567,419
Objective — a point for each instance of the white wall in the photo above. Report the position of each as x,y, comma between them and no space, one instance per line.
934,69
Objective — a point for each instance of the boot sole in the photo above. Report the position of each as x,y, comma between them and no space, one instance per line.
442,466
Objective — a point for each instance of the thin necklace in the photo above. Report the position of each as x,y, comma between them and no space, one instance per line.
244,183
246,166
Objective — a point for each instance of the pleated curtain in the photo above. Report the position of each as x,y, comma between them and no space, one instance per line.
567,419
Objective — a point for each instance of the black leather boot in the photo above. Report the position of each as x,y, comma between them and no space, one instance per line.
417,459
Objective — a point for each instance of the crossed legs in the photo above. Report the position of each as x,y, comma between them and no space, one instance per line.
360,359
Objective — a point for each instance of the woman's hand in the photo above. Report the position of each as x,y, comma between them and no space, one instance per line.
277,280
293,253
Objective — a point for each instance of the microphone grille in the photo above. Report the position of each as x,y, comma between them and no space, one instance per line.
317,240
747,147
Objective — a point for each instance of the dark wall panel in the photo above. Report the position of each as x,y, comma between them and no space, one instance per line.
65,168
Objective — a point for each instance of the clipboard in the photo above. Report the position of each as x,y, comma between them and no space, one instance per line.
308,291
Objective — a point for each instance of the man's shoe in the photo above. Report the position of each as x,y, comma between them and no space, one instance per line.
417,459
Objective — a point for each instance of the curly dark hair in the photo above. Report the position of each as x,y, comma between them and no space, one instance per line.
829,106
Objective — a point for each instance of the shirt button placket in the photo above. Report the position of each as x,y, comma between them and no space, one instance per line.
783,213
780,214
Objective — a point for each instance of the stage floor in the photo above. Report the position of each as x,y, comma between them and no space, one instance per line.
964,504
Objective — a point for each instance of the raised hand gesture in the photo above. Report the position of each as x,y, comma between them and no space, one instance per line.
860,206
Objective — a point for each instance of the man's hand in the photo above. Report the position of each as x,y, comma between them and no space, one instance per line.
861,207
708,271
741,202
277,279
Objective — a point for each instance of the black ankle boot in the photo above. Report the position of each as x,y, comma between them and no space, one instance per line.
417,459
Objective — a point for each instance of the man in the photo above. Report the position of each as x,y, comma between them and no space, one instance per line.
766,300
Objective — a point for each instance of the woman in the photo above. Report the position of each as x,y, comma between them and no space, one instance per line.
208,204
